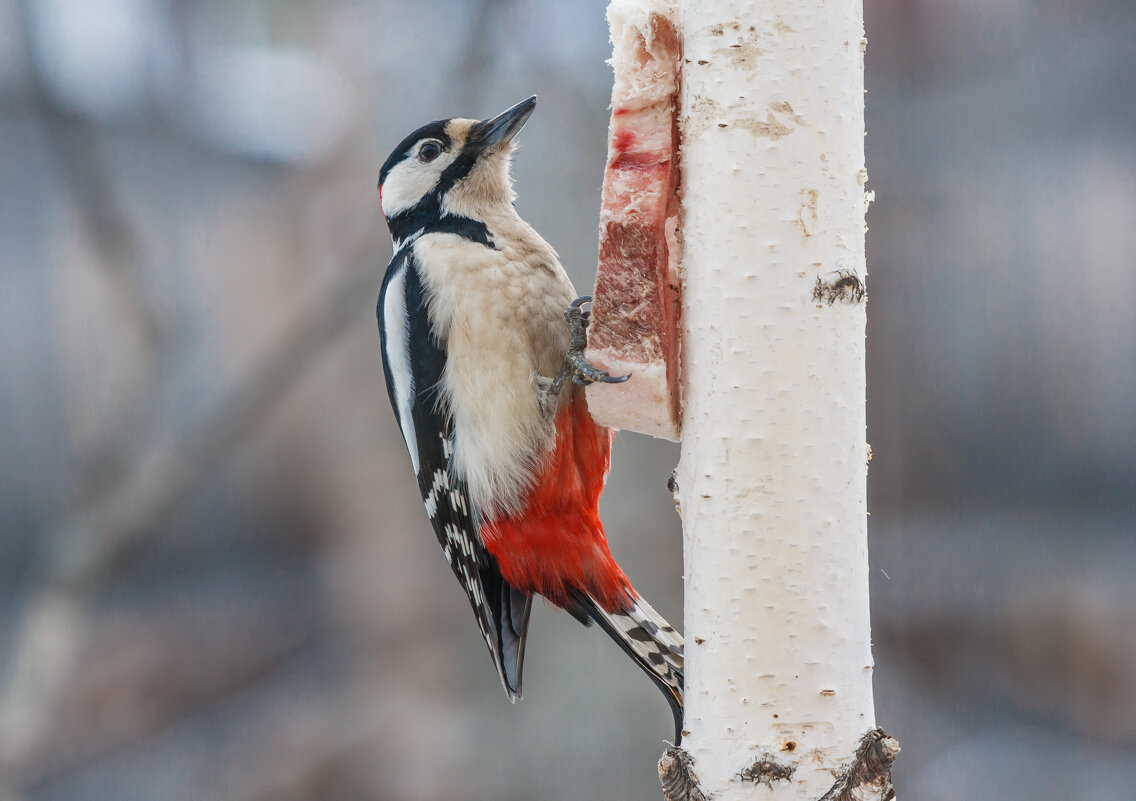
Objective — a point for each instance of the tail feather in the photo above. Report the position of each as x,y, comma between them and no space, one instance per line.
510,623
656,647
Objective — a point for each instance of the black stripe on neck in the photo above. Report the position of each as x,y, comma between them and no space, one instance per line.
427,217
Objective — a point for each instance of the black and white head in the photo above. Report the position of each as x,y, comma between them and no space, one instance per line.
450,167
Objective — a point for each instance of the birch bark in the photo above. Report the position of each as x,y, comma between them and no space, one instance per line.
772,476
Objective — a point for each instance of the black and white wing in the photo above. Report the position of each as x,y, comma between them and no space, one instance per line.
413,361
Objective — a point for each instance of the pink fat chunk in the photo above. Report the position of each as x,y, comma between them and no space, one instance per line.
636,298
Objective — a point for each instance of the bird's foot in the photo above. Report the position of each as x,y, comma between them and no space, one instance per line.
575,366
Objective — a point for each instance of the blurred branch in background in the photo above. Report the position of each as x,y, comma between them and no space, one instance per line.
122,505
74,143
96,541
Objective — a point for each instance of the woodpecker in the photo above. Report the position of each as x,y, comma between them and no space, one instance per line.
482,347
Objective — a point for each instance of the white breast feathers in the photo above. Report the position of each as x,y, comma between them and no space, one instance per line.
500,311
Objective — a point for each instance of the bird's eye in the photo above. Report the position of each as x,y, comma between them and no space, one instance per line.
428,152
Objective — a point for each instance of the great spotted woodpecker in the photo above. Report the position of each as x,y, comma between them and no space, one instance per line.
479,335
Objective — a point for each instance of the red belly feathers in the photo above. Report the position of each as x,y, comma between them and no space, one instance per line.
556,543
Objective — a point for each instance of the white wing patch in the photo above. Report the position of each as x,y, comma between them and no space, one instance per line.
398,357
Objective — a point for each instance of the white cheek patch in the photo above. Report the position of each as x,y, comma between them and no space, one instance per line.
410,180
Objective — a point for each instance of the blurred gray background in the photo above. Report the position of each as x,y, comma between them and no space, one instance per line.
216,579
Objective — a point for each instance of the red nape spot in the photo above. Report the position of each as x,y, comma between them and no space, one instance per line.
624,139
619,112
556,543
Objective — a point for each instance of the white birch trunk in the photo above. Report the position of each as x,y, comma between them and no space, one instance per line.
772,477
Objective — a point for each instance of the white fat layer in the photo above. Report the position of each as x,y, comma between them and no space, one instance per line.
644,403
501,311
398,357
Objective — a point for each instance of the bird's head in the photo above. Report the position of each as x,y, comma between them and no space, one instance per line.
457,166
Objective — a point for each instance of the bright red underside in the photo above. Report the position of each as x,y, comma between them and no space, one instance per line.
557,543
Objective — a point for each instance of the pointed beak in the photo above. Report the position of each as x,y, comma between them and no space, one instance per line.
502,128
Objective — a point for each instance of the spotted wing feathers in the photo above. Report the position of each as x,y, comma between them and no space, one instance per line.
501,610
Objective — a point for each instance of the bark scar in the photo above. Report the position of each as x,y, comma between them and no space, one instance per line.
846,287
868,776
766,770
807,212
676,775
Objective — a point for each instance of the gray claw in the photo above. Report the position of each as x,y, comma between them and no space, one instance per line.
575,366
584,372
